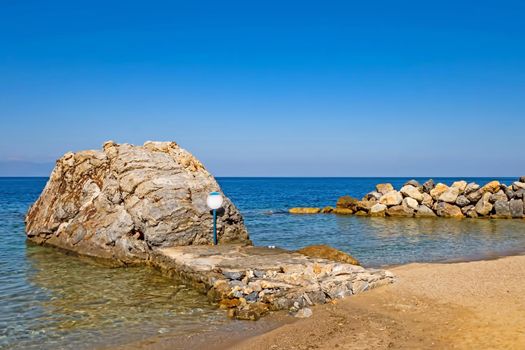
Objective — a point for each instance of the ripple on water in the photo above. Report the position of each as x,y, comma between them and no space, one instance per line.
55,301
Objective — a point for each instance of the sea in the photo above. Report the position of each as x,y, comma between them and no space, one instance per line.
52,300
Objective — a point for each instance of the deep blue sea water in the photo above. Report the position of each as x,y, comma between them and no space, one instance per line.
50,300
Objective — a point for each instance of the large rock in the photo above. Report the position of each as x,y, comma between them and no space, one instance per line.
498,196
447,210
424,212
438,190
522,179
492,187
400,211
517,185
391,198
411,203
462,201
427,200
483,206
384,188
124,201
412,182
516,208
378,209
412,192
449,195
502,209
471,187
428,186
475,196
460,185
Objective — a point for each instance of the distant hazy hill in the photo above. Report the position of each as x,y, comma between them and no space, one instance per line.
22,168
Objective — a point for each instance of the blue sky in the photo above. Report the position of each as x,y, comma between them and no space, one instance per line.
269,88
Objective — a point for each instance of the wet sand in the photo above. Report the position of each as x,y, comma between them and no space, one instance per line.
464,305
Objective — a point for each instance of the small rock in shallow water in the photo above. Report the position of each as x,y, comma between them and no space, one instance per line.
304,313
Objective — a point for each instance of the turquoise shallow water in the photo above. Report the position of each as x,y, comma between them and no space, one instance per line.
49,300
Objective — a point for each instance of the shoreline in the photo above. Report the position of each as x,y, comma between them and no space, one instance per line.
464,304
475,304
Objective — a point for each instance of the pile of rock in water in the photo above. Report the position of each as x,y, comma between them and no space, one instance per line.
461,199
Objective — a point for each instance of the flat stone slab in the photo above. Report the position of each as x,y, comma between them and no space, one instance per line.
250,281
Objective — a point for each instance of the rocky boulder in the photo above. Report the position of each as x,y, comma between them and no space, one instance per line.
428,186
124,201
438,190
378,210
502,209
412,192
449,195
471,187
492,187
483,206
384,188
391,198
447,210
460,185
424,212
516,208
400,211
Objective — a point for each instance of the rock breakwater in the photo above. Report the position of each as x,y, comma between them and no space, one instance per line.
458,200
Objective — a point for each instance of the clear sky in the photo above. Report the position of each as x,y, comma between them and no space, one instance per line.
269,88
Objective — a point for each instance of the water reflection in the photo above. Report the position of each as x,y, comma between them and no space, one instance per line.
71,303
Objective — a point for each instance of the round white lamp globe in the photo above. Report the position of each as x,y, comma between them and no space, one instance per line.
214,200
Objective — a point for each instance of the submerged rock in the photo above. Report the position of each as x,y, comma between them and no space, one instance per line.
347,202
124,201
304,210
326,252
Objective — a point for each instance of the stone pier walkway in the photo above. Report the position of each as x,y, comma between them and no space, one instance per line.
250,281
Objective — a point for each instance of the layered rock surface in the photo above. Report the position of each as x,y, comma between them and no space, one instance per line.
250,281
125,201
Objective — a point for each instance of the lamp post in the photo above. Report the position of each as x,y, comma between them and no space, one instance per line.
214,202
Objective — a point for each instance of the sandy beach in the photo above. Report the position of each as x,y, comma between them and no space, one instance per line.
467,305
463,305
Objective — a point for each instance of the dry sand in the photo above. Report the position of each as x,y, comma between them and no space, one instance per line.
468,305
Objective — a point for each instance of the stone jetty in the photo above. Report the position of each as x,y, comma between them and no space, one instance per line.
459,200
250,281
147,205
